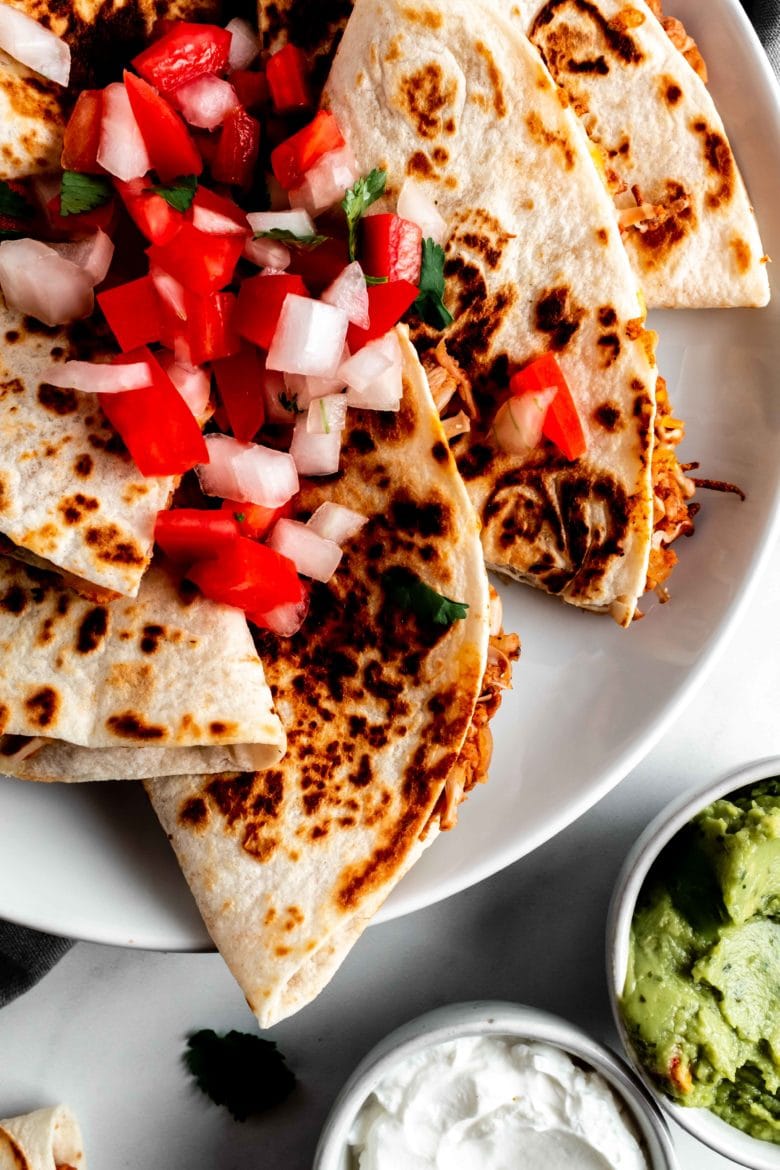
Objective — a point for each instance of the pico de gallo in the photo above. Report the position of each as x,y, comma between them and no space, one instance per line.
249,310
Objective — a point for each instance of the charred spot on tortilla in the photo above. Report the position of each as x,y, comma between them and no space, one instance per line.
494,77
230,795
57,400
261,848
194,813
425,17
480,232
14,600
657,239
423,96
151,637
670,91
720,162
743,257
440,453
609,345
83,465
609,416
42,707
130,725
556,315
564,40
540,133
92,630
110,547
74,508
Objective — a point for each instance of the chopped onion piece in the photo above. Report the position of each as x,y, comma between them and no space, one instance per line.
327,182
206,102
98,377
315,454
36,281
169,290
194,385
327,414
285,620
371,362
213,223
312,555
25,40
122,151
335,522
415,205
268,254
309,338
519,421
244,45
247,472
305,389
299,222
94,254
350,293
275,394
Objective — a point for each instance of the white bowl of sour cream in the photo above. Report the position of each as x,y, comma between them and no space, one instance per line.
489,1085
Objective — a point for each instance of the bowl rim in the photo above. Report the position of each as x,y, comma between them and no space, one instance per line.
497,1018
712,1131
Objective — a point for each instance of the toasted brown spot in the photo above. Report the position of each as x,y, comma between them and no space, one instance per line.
720,161
14,600
602,235
110,547
557,315
552,138
423,97
92,630
130,725
151,638
258,845
420,164
439,452
42,707
671,91
425,17
609,345
57,400
608,416
607,316
194,813
742,253
222,730
562,42
499,104
73,508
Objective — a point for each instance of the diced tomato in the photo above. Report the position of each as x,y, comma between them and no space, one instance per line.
133,313
221,205
194,534
250,576
183,53
169,145
239,145
295,156
153,215
387,304
82,134
260,301
202,262
254,520
75,227
239,381
320,266
251,87
209,327
287,81
392,247
562,424
155,423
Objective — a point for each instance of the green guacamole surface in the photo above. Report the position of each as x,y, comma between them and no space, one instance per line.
702,993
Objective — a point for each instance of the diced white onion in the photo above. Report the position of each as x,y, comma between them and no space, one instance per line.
327,181
248,472
46,187
99,377
244,46
35,280
309,338
299,222
169,290
122,150
337,523
194,385
415,205
94,254
327,414
35,46
285,620
519,421
350,293
315,454
312,555
275,392
206,102
305,389
268,254
214,223
374,376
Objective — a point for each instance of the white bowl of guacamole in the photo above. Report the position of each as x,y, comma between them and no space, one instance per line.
693,954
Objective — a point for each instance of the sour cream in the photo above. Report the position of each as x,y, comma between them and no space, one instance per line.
487,1103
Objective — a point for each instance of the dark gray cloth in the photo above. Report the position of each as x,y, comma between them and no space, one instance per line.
765,15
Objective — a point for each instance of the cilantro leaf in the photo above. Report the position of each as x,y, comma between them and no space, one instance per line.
12,204
357,201
288,237
408,591
242,1072
240,517
429,303
80,193
179,194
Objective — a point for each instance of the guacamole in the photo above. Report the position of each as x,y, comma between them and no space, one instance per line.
702,993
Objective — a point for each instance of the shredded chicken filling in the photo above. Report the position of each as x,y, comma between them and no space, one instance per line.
672,490
678,35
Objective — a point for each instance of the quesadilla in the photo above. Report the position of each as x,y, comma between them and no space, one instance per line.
166,683
453,98
48,1139
386,716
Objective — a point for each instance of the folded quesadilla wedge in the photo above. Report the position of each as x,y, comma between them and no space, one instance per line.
453,97
380,707
48,1139
165,683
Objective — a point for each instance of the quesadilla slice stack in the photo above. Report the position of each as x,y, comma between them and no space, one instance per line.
47,1139
385,696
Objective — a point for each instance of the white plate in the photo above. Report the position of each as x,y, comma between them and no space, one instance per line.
590,700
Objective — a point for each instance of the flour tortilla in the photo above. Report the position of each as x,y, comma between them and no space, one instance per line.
166,683
44,1140
287,866
455,97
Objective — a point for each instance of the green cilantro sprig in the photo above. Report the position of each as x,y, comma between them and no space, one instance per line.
407,590
81,193
357,201
285,236
179,194
430,304
244,1073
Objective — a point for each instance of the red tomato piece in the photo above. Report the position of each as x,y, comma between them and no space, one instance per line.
287,81
295,156
387,304
251,87
202,262
194,534
81,139
239,145
221,205
170,147
76,227
183,53
392,247
155,423
254,520
209,327
562,424
250,576
133,313
239,381
260,301
153,215
320,266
